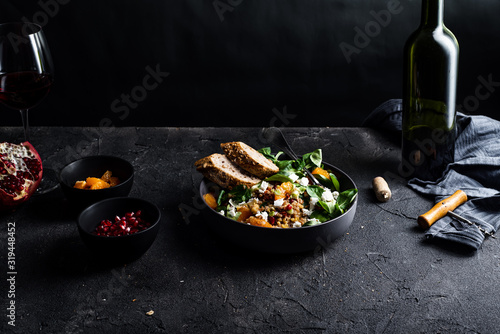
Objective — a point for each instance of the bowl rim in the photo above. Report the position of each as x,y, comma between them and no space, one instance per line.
352,207
95,157
154,224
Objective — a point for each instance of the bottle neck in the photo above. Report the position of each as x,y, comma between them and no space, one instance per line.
432,13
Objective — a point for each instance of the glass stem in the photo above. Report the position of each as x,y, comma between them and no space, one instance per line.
24,117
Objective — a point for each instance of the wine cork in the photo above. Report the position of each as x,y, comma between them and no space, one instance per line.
381,189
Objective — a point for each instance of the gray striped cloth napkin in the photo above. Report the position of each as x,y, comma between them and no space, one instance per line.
476,171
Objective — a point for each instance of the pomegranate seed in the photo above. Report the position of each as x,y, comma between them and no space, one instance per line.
130,223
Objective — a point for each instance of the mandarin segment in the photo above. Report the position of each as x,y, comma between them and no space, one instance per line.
113,181
283,190
244,213
80,184
96,183
210,200
321,171
258,222
92,181
106,177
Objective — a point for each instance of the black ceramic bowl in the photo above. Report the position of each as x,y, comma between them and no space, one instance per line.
95,166
118,249
282,241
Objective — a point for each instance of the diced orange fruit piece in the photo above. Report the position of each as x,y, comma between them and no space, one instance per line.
283,190
321,171
210,200
113,181
258,222
80,184
93,180
96,183
288,186
100,185
106,177
245,213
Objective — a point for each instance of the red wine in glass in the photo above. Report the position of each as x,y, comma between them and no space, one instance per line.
26,68
24,90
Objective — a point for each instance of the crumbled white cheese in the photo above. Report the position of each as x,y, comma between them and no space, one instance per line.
262,214
312,203
263,186
232,211
335,195
278,203
294,177
306,211
297,224
327,196
304,181
252,201
222,212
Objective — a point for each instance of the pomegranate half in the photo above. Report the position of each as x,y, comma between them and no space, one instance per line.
20,173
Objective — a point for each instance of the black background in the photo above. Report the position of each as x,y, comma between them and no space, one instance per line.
247,63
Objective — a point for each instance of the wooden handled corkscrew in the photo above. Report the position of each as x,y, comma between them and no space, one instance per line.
441,208
446,207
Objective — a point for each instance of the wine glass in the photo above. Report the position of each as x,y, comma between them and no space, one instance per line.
26,73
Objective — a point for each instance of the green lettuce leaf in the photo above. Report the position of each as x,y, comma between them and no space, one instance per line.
346,198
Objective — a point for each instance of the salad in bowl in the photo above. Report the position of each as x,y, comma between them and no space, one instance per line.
283,197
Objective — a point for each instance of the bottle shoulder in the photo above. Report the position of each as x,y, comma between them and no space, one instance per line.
447,32
424,37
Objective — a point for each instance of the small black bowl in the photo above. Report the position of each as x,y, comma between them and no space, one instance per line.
95,166
118,249
278,240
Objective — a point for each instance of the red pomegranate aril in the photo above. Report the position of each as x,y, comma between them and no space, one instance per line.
11,184
130,223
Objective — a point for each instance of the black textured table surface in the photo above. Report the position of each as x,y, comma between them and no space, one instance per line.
380,277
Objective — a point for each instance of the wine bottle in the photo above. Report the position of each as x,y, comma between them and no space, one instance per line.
429,96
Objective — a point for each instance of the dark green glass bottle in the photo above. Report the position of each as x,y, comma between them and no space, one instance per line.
429,96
